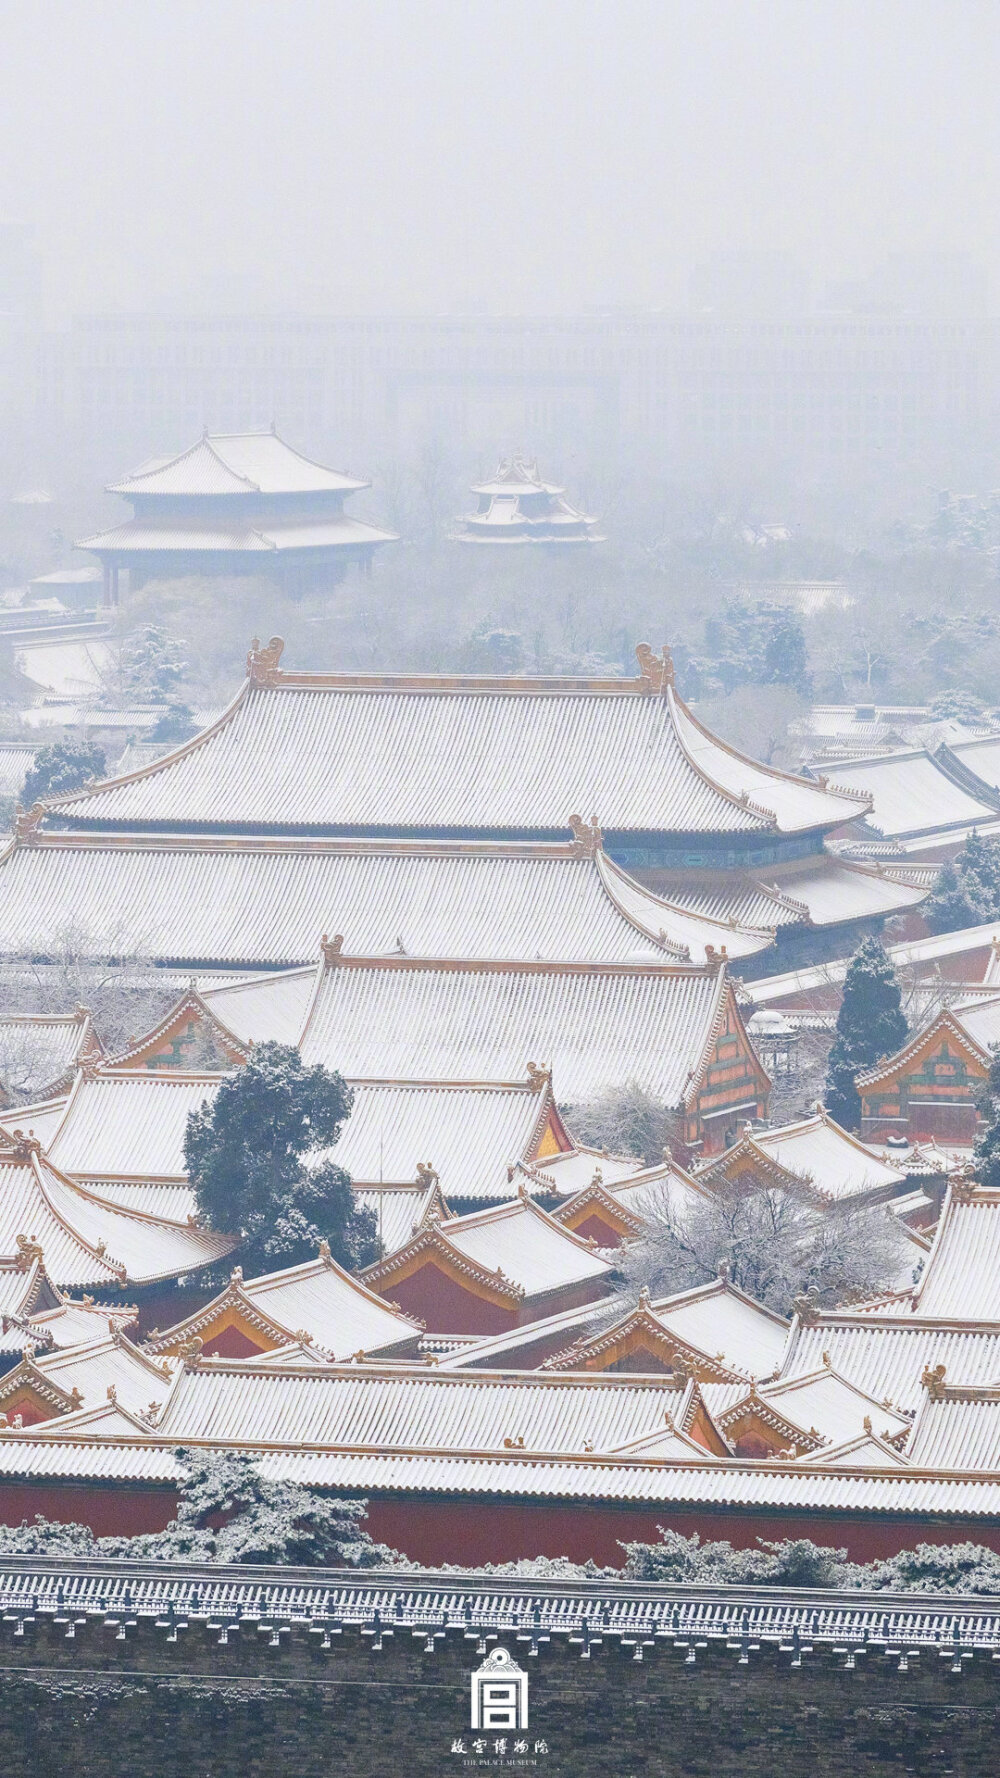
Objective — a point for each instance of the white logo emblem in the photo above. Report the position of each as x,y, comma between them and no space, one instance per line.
499,1693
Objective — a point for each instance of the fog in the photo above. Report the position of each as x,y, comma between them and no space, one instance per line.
429,155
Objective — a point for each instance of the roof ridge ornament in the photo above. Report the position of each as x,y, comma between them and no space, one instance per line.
332,949
27,822
588,839
656,673
933,1381
29,1252
539,1076
806,1306
263,659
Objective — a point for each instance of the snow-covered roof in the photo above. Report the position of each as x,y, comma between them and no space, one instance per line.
516,1242
399,1019
128,1126
957,1428
886,1355
818,892
15,763
364,1408
266,1007
399,1211
235,463
830,1405
470,1134
267,902
358,753
91,1369
336,1312
818,1150
961,1280
266,537
723,1321
912,794
83,1239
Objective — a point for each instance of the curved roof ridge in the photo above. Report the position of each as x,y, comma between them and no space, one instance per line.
744,802
157,465
52,805
797,779
774,892
609,871
944,1017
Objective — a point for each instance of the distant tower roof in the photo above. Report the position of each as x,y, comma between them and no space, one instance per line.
517,506
236,463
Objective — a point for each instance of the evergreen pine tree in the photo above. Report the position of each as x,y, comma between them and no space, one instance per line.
967,892
254,1158
870,1025
61,768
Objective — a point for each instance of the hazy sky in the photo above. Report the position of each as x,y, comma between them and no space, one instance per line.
545,156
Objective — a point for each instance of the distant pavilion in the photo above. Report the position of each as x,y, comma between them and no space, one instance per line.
236,503
518,507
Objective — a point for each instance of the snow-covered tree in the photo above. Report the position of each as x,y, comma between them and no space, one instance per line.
870,1025
987,1151
61,768
625,1120
770,1244
252,1156
967,892
264,1521
151,666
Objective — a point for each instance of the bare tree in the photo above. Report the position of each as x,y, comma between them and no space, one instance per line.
772,1245
624,1120
107,972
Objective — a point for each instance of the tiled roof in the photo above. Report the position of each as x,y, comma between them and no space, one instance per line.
15,764
85,1240
831,1405
315,752
912,794
264,903
886,1356
527,1246
518,1475
403,1021
338,1313
399,1210
72,1323
469,1134
235,463
264,536
94,1367
266,1007
571,1172
527,1348
821,892
957,1429
128,1126
834,1162
961,1281
168,1199
400,1409
724,1321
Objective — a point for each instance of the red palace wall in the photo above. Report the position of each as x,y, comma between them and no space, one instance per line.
435,1530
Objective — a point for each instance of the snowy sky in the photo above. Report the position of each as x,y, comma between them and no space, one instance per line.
540,156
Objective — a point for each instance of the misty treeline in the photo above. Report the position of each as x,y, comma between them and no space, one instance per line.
911,615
